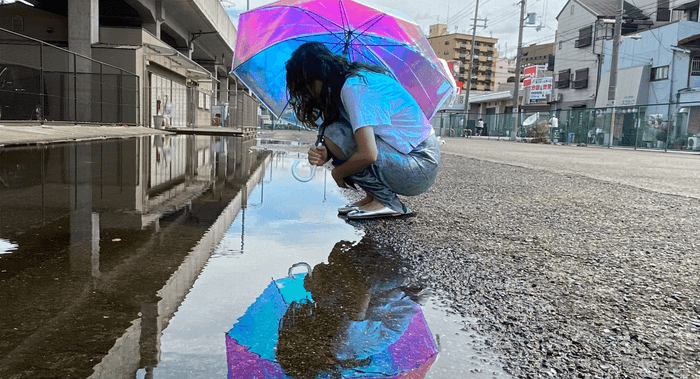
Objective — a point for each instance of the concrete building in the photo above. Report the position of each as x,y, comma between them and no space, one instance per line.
505,74
179,54
456,48
584,26
659,84
538,54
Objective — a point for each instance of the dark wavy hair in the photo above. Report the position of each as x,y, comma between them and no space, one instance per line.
312,61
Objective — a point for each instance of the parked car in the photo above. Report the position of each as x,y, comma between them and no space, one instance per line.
20,93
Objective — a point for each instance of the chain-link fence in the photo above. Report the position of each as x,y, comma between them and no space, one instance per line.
667,126
43,82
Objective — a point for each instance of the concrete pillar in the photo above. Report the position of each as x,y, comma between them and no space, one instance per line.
84,223
83,31
224,98
154,27
83,25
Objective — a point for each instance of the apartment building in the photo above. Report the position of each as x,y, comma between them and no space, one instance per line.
456,47
538,55
505,74
583,28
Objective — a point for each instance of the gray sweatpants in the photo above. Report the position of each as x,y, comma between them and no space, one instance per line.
394,173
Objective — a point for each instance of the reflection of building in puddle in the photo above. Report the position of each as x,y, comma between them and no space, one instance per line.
362,320
79,214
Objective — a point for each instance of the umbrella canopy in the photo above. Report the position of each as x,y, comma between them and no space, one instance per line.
531,120
268,35
250,344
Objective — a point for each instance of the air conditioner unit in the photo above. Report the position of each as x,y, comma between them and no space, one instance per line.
693,143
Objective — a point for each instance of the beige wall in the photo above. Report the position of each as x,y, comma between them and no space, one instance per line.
570,57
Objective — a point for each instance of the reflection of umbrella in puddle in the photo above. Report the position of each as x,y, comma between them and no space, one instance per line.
251,343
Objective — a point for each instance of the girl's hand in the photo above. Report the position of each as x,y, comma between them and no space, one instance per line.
318,156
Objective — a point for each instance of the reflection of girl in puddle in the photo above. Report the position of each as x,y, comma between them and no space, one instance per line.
360,308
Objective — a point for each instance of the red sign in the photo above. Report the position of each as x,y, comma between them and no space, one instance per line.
530,71
459,87
527,82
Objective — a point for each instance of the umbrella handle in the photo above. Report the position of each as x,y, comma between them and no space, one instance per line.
300,264
299,178
319,143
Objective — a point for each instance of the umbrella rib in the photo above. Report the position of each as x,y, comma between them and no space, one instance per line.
343,15
368,26
414,75
316,18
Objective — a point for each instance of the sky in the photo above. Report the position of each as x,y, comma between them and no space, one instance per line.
501,17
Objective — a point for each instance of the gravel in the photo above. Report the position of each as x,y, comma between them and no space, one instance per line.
569,277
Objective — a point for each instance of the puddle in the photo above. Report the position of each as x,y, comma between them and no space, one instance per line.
7,247
136,258
269,141
463,353
286,222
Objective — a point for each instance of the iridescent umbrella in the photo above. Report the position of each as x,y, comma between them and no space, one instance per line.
268,35
250,344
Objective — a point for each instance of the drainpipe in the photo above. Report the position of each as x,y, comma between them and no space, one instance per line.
599,63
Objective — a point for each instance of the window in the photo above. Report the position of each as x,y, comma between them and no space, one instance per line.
18,23
560,44
659,73
581,79
563,79
572,9
585,37
662,11
447,43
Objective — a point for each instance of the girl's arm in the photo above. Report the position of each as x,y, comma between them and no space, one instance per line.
364,156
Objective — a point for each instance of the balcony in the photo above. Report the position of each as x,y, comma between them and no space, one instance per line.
561,84
580,84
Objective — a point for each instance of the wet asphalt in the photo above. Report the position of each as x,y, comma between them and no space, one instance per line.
576,261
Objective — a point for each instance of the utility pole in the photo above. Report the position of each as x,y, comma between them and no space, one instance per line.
613,68
516,87
615,54
471,60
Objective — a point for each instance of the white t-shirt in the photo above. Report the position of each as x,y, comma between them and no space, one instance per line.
554,122
379,101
